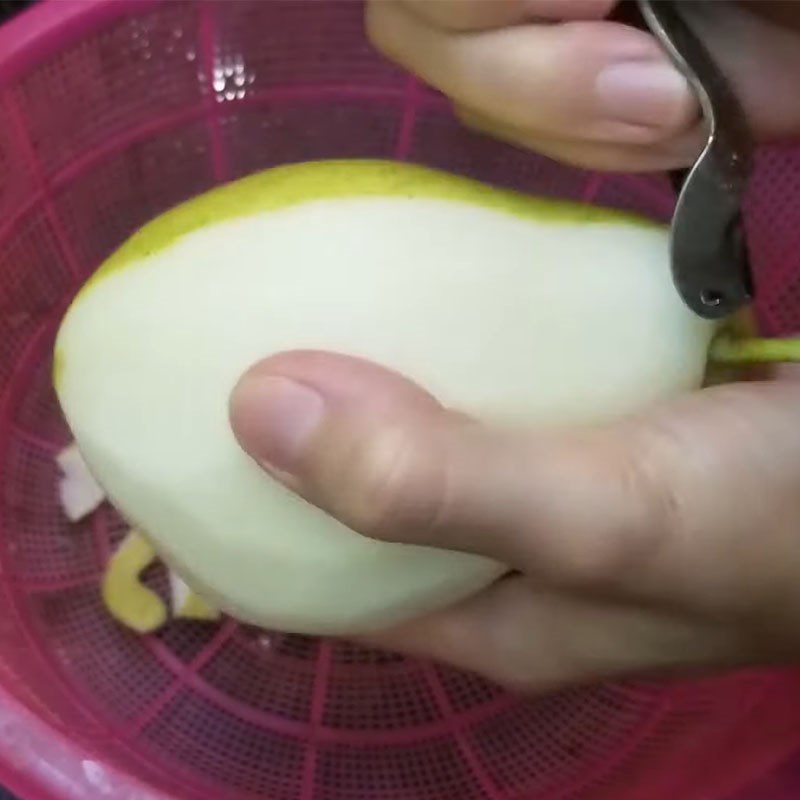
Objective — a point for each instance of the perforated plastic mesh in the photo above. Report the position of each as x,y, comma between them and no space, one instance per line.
116,120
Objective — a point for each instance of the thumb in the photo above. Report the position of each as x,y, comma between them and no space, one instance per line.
386,459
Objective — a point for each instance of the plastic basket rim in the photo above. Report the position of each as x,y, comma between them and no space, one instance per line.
22,773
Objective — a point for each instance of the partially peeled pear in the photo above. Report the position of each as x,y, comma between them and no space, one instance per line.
513,309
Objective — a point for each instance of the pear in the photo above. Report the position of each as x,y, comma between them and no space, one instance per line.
514,309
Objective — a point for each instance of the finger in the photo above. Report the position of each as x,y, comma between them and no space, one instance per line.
674,153
534,641
379,454
660,509
620,89
363,457
471,15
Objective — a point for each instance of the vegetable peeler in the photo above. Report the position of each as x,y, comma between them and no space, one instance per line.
709,258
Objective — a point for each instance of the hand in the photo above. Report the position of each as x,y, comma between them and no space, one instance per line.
666,542
669,542
559,78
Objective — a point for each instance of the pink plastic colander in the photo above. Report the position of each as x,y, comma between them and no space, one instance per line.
110,113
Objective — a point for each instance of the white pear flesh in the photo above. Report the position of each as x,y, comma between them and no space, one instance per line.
515,310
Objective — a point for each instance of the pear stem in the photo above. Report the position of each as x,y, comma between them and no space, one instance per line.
728,349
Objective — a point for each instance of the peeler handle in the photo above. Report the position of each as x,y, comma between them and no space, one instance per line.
710,263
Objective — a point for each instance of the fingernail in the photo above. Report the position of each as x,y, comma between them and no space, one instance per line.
275,418
644,93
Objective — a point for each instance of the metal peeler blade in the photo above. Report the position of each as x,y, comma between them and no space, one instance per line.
710,264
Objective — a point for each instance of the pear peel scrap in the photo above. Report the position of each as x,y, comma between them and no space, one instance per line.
127,599
138,607
187,604
78,491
